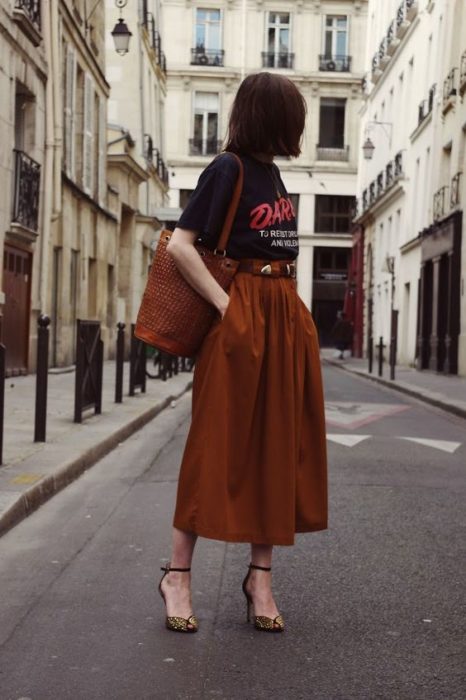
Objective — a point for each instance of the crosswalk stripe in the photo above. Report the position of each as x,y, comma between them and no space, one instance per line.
347,440
444,445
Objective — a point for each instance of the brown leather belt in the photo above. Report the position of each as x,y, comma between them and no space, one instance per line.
268,268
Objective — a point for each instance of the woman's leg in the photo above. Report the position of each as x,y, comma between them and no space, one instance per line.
176,585
260,582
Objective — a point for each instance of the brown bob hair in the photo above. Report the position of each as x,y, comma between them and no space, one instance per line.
267,116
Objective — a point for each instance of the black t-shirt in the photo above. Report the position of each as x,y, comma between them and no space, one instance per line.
265,223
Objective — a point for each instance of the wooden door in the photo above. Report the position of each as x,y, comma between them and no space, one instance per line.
17,289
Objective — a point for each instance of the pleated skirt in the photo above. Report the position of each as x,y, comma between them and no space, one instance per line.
254,468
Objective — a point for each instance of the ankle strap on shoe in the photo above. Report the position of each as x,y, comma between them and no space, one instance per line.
261,568
167,568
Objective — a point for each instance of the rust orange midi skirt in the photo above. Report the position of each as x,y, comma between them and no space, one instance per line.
254,468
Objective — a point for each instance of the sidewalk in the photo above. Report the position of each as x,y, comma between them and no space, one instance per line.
32,472
445,391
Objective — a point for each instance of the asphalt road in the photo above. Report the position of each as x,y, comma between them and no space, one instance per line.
374,606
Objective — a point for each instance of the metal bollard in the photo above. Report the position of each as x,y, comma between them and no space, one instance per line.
120,358
370,354
380,347
40,419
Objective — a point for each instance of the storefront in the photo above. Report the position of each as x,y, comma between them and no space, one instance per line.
439,296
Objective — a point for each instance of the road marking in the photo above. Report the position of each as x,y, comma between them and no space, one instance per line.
444,445
352,415
26,479
346,440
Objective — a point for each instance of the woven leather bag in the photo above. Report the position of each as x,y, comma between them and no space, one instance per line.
173,317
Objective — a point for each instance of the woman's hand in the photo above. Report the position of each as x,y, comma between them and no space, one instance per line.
181,248
222,307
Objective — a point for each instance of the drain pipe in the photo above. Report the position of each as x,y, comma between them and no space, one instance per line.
47,182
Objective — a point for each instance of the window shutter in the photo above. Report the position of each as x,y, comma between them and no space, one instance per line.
88,135
102,174
70,106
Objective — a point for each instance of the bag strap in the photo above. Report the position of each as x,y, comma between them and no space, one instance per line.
232,208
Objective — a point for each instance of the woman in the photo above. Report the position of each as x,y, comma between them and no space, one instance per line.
254,465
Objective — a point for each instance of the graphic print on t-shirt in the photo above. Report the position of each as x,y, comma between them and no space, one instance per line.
265,215
265,224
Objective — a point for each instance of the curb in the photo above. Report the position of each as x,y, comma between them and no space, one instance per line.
39,493
404,389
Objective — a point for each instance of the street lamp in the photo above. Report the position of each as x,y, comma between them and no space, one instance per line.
121,34
368,147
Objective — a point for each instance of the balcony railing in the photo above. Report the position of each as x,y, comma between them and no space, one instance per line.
155,39
26,14
204,147
162,170
440,202
31,8
385,179
332,154
337,63
455,190
398,165
207,57
426,106
449,86
26,191
463,72
281,59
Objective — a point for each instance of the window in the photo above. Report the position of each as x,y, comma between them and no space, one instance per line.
207,29
331,264
336,36
207,39
333,213
295,202
205,132
332,122
88,135
278,53
184,197
69,123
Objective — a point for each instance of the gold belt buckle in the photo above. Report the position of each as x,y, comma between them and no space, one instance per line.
266,270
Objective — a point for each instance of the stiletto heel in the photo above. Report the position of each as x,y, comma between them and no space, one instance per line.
177,624
261,622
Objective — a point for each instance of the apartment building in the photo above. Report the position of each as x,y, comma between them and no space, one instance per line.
407,236
23,156
137,143
211,46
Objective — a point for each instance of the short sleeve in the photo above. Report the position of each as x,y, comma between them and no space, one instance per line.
208,204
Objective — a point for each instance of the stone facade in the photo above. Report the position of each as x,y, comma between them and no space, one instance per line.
79,195
410,192
210,47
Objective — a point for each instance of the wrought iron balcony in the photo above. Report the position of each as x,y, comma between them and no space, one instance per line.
389,174
162,170
380,184
207,57
402,22
31,9
455,190
439,203
449,86
148,148
332,153
372,192
463,72
422,111
337,63
26,191
398,165
431,97
204,147
26,13
279,59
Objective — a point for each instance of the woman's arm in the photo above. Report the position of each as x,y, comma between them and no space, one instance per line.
185,256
